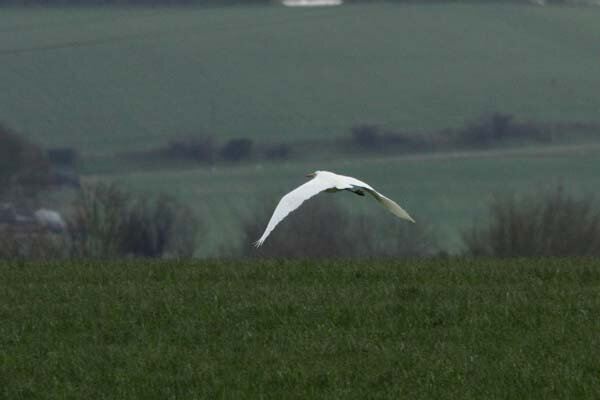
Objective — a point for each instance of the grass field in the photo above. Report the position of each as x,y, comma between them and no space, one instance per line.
103,80
443,329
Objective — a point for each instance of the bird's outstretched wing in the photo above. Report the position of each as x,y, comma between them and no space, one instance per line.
390,204
291,201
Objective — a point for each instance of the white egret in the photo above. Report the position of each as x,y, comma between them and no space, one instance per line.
329,182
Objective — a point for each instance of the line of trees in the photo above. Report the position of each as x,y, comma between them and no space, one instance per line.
108,222
496,130
105,220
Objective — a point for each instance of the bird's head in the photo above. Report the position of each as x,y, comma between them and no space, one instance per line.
312,174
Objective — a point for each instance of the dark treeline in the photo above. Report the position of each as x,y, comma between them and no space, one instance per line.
104,220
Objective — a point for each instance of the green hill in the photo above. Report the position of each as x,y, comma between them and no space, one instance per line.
103,79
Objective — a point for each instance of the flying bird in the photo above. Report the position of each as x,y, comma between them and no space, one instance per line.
328,182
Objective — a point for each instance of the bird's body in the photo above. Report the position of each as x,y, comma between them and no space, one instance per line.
328,182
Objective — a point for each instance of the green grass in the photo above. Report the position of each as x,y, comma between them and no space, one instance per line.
425,329
103,80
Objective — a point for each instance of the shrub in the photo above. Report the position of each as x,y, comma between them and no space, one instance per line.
320,228
31,242
160,228
237,149
366,136
486,131
108,222
370,137
24,168
65,178
201,148
499,128
277,152
66,156
407,141
550,223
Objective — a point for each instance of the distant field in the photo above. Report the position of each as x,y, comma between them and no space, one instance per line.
443,329
103,80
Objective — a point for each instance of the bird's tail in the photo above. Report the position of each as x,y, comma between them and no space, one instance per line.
394,208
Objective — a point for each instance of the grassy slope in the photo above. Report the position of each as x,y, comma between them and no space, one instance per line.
129,78
335,329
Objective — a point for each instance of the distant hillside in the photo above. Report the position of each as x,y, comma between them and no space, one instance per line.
103,79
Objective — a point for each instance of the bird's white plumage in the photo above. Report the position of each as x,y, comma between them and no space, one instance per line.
291,201
324,180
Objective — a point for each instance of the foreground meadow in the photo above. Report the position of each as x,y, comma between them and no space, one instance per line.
300,329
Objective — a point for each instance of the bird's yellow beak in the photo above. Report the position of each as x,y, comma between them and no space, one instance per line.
311,175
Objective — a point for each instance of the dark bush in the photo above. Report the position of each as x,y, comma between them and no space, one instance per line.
24,168
237,149
406,141
200,148
277,152
371,137
500,128
31,242
486,131
366,136
550,223
66,156
158,228
109,222
65,178
320,228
